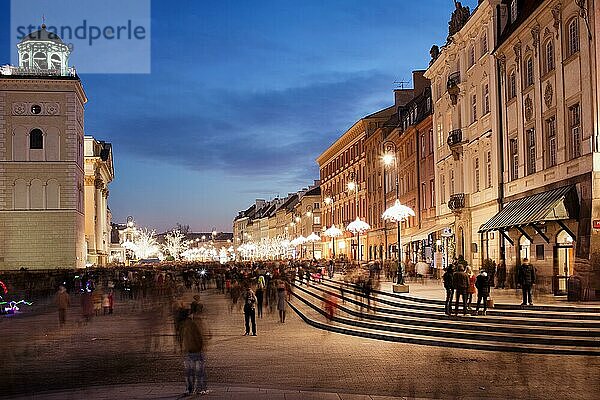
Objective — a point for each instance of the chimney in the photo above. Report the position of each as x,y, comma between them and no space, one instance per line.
420,83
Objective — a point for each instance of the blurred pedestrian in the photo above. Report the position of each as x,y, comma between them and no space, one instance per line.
87,306
501,274
281,300
249,310
62,302
196,307
260,294
105,304
193,344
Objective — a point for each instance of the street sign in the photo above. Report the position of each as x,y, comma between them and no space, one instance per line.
596,224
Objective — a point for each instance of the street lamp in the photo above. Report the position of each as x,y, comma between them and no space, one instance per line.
398,212
332,232
357,226
389,159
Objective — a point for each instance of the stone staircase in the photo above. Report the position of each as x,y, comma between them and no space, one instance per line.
409,319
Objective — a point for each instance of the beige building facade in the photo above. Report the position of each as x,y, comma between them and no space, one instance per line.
99,172
547,56
463,81
41,159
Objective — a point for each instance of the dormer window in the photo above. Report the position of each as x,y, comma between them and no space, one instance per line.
513,11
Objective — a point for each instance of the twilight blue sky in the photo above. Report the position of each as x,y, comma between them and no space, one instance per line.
244,95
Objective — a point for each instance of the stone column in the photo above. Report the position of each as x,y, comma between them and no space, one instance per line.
98,215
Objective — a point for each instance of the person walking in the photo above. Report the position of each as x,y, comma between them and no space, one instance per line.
249,310
526,277
448,285
501,273
460,282
281,300
193,345
482,284
62,302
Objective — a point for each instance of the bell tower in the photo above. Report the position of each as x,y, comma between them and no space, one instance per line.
41,157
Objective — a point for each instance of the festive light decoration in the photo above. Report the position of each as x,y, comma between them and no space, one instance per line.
3,286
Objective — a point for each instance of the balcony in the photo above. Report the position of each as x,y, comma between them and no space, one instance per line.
455,141
457,202
452,86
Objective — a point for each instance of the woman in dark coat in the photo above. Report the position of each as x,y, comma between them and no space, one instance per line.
482,284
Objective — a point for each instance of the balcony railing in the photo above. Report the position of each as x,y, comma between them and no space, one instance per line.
454,137
456,201
25,71
453,80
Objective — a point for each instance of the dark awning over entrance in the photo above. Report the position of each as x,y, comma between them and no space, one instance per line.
552,205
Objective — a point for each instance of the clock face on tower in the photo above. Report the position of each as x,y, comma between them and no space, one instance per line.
36,109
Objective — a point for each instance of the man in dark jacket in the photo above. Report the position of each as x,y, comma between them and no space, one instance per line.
193,345
526,277
460,281
482,284
447,277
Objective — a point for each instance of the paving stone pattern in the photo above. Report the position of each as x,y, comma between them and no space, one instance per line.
135,346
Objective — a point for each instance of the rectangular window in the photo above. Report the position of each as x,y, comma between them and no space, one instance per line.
512,86
530,136
471,56
316,206
486,99
423,146
443,189
549,56
440,135
484,43
431,193
539,252
476,173
573,34
473,108
488,161
423,195
317,220
451,182
575,130
551,142
529,72
514,159
430,141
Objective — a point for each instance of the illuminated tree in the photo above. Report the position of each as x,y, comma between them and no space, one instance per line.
175,244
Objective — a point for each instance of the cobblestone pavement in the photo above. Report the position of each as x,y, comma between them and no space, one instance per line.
136,346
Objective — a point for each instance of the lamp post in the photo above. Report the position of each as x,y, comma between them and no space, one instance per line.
330,201
357,226
397,212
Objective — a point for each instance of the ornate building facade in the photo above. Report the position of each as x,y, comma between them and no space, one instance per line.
41,158
99,172
344,162
548,114
463,76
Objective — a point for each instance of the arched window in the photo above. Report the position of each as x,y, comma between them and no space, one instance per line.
524,247
25,61
56,61
36,195
549,56
52,194
40,60
36,139
572,37
20,195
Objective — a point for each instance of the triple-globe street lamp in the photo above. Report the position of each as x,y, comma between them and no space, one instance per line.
398,212
357,226
333,231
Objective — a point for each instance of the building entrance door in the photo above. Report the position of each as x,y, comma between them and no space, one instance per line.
563,263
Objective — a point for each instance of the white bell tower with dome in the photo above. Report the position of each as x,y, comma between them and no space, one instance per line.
43,53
